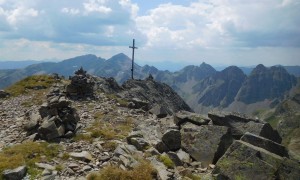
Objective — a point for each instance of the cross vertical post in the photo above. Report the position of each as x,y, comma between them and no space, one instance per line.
133,47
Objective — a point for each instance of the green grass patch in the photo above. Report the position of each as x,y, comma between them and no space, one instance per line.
167,161
106,130
122,102
144,171
273,121
27,154
30,83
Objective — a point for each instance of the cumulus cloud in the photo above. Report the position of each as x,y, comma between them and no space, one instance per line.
221,24
96,22
207,28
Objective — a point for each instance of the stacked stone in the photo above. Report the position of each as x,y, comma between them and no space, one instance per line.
82,85
56,118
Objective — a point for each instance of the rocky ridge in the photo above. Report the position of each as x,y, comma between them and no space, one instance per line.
197,146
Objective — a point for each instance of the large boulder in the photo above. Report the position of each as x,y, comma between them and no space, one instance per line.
205,143
264,143
15,174
185,116
245,161
172,139
240,125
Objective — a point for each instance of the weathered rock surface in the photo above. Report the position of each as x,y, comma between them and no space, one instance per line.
185,116
245,161
240,125
264,143
155,93
84,156
205,143
15,174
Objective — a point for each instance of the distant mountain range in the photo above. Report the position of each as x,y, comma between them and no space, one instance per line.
202,87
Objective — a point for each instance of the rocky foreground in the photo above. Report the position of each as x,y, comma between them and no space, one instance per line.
140,123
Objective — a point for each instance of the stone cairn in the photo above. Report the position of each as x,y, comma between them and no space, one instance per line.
82,85
55,119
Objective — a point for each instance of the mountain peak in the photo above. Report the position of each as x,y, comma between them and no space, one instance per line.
120,56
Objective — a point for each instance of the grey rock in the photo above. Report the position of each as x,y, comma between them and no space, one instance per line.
48,130
140,143
15,174
185,116
173,156
161,169
245,161
205,143
45,166
86,168
159,111
161,147
264,143
155,93
240,125
183,156
84,156
172,139
33,123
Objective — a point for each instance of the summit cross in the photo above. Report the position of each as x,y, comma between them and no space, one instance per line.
133,47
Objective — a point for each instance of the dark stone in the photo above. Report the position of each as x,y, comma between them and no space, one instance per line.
159,111
205,143
173,156
4,94
172,139
15,174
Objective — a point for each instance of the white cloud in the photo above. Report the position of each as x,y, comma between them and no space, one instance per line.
20,14
208,28
71,11
97,6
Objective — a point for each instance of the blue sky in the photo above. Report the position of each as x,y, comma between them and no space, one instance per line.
168,33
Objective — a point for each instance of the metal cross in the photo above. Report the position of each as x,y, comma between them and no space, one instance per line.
133,47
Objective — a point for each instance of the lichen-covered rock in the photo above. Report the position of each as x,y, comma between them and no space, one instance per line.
205,143
245,161
185,116
265,144
240,125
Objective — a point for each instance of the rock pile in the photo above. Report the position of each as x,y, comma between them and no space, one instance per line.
162,99
223,142
56,118
82,85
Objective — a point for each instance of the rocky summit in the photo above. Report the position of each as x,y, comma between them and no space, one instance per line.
140,130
